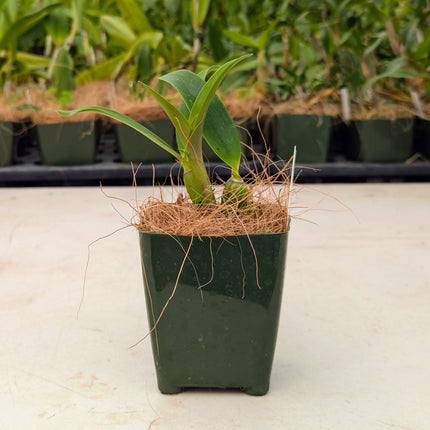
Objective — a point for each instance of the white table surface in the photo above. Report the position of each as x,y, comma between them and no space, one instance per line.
353,348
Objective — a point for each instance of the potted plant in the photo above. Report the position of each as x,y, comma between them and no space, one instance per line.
297,123
213,286
381,65
386,139
15,129
303,108
66,141
18,65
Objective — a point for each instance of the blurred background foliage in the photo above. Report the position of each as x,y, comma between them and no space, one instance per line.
303,48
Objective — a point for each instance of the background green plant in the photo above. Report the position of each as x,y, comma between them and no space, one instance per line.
373,48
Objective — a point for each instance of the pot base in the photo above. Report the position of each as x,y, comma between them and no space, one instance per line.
256,390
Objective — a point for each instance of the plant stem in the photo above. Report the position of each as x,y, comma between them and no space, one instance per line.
196,180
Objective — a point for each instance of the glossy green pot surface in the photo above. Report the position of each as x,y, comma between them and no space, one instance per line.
309,133
134,147
6,143
67,143
223,334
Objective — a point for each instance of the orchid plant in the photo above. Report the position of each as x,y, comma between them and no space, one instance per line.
201,114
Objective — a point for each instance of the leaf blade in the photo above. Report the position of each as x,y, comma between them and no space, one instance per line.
25,23
178,119
219,129
201,104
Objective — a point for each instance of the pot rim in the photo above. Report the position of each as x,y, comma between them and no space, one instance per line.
250,235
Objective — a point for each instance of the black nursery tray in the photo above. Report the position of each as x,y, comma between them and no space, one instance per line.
111,173
30,172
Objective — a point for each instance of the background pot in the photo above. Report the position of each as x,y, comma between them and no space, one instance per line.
422,136
214,337
309,133
134,147
6,143
382,140
67,143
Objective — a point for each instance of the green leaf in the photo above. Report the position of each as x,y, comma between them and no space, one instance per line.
201,105
2,4
422,50
144,63
57,26
398,68
132,13
62,72
117,27
241,39
24,24
216,41
264,35
199,11
327,40
179,121
32,61
125,120
379,39
77,14
173,49
219,129
151,38
100,71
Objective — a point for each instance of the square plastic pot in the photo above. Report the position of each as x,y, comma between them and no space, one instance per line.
219,329
309,133
6,143
134,147
382,140
67,143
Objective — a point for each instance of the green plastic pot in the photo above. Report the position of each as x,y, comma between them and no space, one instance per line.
223,334
67,143
6,143
309,133
134,147
382,140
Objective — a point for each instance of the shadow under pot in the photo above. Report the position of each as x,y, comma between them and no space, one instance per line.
381,140
6,143
309,133
219,329
67,143
136,148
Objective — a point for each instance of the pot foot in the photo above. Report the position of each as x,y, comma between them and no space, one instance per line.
169,389
257,390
